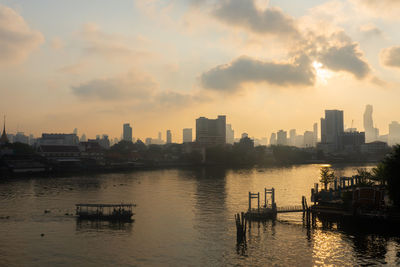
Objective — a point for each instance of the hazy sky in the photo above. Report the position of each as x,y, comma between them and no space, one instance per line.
160,64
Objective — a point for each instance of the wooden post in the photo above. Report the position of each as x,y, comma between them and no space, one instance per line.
265,197
249,201
258,200
273,195
335,184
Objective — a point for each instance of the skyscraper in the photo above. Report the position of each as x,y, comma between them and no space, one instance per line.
169,137
394,133
292,137
230,134
127,132
332,128
187,135
281,138
315,132
371,133
272,139
211,132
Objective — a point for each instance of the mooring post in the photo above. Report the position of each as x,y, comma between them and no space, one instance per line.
352,181
249,201
335,184
258,200
265,197
273,195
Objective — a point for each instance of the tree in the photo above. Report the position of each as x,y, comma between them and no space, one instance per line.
327,176
389,171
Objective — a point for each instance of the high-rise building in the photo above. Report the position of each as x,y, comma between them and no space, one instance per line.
187,135
371,133
230,134
211,132
292,137
272,139
332,128
315,131
394,133
281,138
83,138
308,139
159,136
127,132
169,137
75,131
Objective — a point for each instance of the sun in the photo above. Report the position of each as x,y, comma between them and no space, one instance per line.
322,74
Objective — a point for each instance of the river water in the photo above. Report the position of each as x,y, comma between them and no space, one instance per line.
182,218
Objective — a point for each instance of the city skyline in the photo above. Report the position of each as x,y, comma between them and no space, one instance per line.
98,69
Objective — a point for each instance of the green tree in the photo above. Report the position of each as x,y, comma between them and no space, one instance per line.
327,176
390,173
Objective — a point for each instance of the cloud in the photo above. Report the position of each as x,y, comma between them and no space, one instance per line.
246,14
17,40
133,85
386,9
371,31
230,77
346,58
391,56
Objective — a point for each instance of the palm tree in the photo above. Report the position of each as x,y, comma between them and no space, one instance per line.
327,176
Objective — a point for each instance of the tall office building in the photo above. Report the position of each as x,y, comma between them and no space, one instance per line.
281,138
394,133
127,132
332,128
315,132
169,137
272,139
371,133
308,139
187,135
211,132
230,134
292,137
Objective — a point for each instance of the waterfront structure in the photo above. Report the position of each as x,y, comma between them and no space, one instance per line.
187,135
58,139
281,138
91,151
332,128
230,134
127,132
169,137
272,139
371,133
211,132
394,133
60,152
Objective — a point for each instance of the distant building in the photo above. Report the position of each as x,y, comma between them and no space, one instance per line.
308,139
75,131
211,132
148,141
187,135
374,147
127,132
281,138
245,135
83,138
58,139
394,133
272,139
159,136
169,137
20,137
352,141
315,131
230,134
332,128
91,151
59,152
371,133
4,138
292,137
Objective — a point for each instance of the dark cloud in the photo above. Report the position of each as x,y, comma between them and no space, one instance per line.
345,58
244,13
231,76
17,40
391,56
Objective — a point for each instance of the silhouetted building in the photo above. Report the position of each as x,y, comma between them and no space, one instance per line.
83,138
230,134
315,131
127,132
4,138
272,139
394,133
246,143
375,147
352,141
169,137
211,132
20,137
148,141
91,150
245,135
371,133
187,135
58,139
75,131
281,138
332,128
59,152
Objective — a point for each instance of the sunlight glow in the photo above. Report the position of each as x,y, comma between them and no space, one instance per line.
322,74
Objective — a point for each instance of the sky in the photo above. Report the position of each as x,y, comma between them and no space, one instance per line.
160,64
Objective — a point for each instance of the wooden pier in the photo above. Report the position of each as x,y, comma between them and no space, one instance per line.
111,212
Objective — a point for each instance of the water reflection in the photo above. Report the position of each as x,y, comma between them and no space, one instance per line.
97,225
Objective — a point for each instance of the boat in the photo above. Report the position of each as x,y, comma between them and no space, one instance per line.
110,212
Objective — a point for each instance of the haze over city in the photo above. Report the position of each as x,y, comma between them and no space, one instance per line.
266,65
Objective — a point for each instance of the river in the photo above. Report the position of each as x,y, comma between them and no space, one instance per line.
183,218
